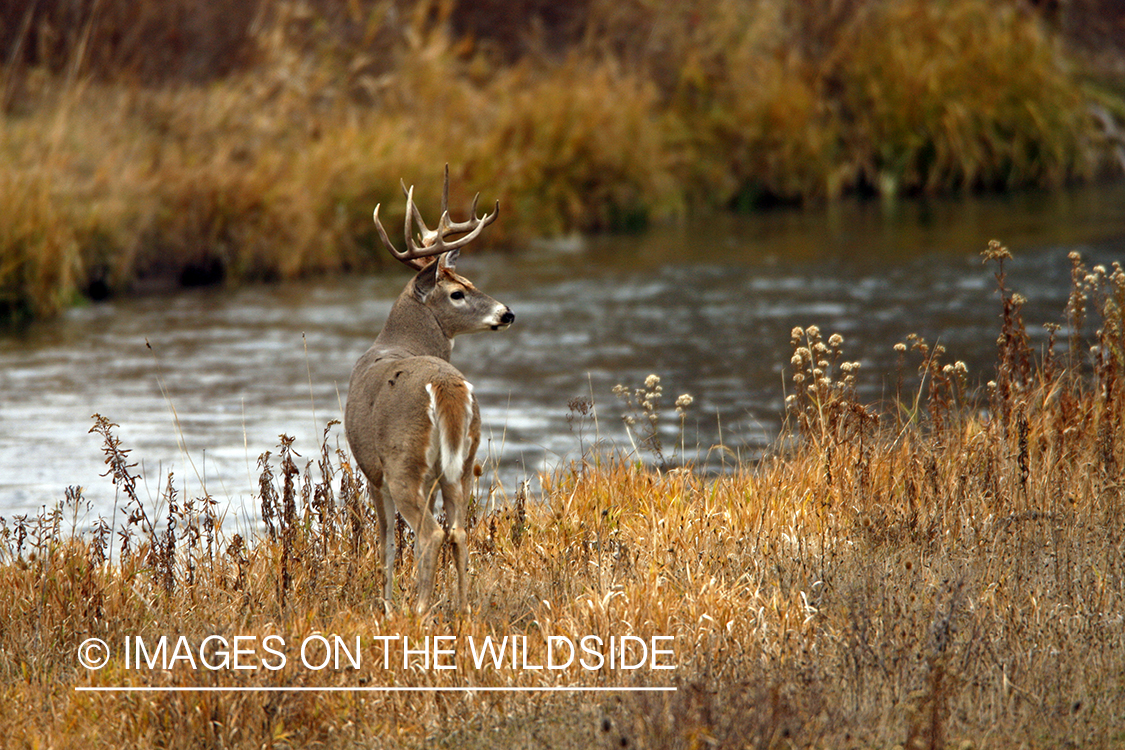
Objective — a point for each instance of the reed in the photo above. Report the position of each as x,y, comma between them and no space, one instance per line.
948,95
254,144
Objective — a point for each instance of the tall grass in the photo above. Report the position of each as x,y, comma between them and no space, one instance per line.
947,569
947,95
260,153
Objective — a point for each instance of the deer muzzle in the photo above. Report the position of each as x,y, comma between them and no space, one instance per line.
506,319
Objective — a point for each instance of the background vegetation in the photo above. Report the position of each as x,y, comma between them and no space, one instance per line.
946,571
153,144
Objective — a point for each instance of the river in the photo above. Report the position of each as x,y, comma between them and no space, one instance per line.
201,382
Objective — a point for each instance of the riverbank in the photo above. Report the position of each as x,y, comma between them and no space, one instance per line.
945,571
264,160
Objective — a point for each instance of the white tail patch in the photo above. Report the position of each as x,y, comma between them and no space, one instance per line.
451,411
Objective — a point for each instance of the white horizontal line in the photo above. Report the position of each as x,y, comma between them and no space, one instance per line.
386,689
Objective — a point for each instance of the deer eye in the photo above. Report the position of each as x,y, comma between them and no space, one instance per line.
457,295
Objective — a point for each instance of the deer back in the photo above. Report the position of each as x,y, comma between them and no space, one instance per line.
415,414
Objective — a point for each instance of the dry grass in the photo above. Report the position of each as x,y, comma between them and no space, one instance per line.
253,142
940,572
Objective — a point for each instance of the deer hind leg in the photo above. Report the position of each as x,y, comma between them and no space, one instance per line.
455,495
414,506
453,498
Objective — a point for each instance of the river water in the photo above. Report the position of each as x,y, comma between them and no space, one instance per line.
202,382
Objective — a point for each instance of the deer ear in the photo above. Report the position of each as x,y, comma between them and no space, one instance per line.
448,260
425,281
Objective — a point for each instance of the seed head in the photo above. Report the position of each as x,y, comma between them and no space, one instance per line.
996,251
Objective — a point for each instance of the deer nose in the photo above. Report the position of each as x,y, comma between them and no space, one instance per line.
507,318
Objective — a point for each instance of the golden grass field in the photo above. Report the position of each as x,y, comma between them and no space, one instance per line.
944,570
142,151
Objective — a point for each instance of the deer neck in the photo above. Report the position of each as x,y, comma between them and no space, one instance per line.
412,330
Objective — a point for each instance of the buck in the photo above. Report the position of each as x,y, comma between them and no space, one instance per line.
411,418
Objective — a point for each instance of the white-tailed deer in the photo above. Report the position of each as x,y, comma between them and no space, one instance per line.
411,418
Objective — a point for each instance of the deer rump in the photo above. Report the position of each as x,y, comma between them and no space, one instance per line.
403,390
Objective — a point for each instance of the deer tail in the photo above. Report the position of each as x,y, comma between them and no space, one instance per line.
451,411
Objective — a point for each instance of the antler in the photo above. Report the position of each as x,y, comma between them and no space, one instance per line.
433,241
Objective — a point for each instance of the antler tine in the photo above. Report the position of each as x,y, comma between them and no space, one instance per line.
448,226
445,192
474,226
415,264
433,240
444,196
412,207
